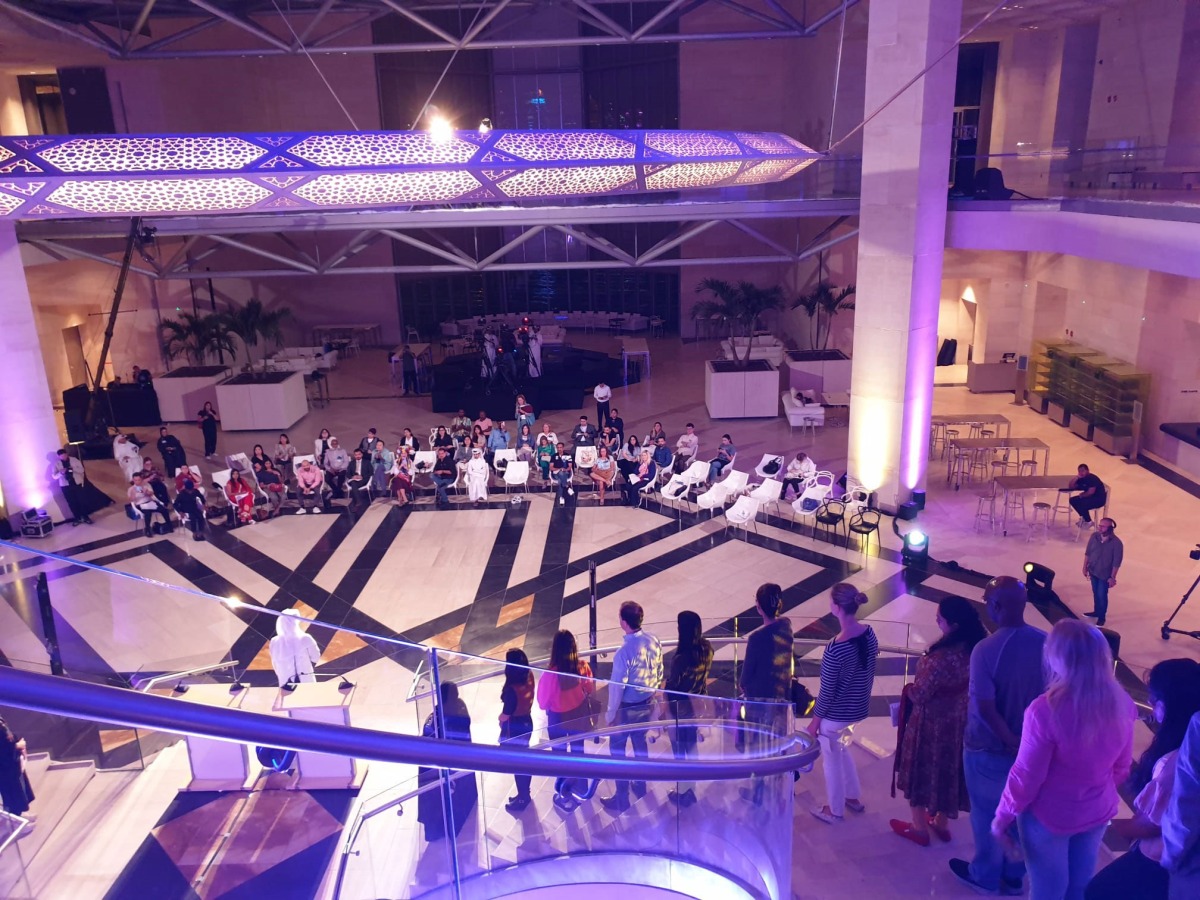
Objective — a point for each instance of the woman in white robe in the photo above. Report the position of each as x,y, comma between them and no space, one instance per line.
127,455
294,654
477,477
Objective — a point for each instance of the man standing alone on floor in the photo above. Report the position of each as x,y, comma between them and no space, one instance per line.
603,396
1101,560
1006,676
638,665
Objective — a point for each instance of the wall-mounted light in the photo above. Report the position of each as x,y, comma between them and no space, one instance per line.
968,295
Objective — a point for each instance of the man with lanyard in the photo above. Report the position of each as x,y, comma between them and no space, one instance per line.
638,665
68,472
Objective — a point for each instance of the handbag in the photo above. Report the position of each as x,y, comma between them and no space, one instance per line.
802,699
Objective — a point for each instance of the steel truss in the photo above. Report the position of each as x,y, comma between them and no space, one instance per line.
165,29
445,240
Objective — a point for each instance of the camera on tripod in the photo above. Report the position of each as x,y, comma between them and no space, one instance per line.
1195,554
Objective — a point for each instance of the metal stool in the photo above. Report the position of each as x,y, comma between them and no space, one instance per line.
986,508
1041,517
999,468
951,435
986,433
1061,503
959,461
1029,467
981,462
1015,500
975,428
937,435
657,326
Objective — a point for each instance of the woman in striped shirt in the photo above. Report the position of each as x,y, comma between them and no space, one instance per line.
847,673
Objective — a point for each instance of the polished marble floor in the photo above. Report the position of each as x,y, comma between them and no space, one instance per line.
483,580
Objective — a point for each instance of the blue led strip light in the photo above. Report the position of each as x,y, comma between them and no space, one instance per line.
67,177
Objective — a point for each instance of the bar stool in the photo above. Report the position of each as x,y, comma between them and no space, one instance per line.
1015,500
999,468
1041,517
957,465
986,433
1028,468
1062,503
975,428
981,462
948,440
986,507
937,435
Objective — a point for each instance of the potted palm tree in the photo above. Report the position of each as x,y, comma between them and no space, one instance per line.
198,339
252,322
740,386
819,368
821,304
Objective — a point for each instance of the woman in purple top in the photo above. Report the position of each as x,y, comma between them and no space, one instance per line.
1076,747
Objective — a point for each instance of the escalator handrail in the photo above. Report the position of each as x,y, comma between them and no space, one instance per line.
53,695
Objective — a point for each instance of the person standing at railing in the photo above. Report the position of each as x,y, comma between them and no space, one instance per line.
637,674
563,693
688,675
766,676
460,791
294,654
847,676
516,720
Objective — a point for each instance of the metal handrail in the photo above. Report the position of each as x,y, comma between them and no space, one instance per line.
23,823
58,696
199,670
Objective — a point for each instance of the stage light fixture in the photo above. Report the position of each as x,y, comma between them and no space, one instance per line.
1038,577
440,129
485,126
916,548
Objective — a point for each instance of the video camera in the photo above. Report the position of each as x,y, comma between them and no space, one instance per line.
1195,554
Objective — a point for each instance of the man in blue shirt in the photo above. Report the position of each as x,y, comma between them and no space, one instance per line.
497,440
662,453
638,665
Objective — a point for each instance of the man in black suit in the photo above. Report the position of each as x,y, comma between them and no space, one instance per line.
358,476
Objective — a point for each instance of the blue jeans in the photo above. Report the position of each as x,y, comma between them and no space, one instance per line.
562,481
1060,866
986,774
441,482
715,467
1100,597
630,713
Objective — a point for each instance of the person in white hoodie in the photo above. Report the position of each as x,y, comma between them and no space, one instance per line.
127,455
294,654
477,477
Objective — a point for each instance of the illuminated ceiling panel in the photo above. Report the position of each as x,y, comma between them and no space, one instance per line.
79,177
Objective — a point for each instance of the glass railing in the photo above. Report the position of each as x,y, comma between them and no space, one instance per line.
14,879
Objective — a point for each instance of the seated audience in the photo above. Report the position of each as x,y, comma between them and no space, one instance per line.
525,447
382,460
443,476
583,434
726,454
310,484
368,443
401,482
460,425
443,438
127,454
478,473
320,445
241,496
644,472
629,456
154,480
190,506
257,455
617,424
142,498
661,453
799,470
409,440
497,440
545,453
285,453
337,460
186,474
272,485
358,477
171,451
484,423
655,433
604,472
562,470
686,448
548,434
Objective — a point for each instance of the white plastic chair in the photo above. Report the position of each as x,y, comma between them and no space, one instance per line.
676,490
509,457
646,491
423,461
696,473
806,505
743,514
762,463
768,492
723,491
516,473
665,473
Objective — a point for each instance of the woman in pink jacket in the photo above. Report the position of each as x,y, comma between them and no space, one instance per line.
1076,747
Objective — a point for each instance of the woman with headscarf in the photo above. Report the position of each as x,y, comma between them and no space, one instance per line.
382,460
294,654
241,496
477,477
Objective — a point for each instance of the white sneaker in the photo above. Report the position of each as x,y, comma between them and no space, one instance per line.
301,512
562,502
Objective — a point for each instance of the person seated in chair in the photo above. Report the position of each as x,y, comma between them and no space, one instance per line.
478,474
310,483
661,453
686,448
617,424
726,454
400,484
655,433
272,484
368,442
1092,495
548,433
583,434
799,470
189,504
444,475
646,470
484,423
172,451
409,440
382,460
460,425
154,481
337,460
142,498
241,496
186,474
443,438
562,470
496,440
358,477
604,472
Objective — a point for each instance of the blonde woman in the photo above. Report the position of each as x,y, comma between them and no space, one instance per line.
1076,747
847,675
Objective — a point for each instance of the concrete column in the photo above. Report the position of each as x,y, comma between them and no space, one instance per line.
26,409
902,231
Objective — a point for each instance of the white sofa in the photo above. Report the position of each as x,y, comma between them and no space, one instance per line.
303,359
768,348
797,411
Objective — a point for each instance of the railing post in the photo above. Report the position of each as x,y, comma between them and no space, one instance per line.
439,717
592,600
49,629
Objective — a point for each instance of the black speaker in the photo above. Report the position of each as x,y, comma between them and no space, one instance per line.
6,529
86,100
989,185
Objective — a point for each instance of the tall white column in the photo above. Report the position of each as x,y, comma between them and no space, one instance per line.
902,228
27,416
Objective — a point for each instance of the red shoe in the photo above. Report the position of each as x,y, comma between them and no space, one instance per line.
943,834
905,830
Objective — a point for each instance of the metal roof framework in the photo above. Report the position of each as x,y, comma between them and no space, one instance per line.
166,29
445,240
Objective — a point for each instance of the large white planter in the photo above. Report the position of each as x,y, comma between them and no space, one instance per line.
741,393
821,375
262,405
182,393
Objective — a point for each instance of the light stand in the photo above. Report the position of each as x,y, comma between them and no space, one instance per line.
1167,630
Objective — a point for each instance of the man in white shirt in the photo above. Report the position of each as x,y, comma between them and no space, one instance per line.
603,395
68,472
686,448
638,664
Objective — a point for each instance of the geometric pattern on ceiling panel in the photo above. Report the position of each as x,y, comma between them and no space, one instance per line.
63,177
